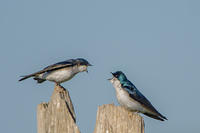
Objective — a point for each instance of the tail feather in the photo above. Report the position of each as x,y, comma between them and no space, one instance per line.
160,117
25,77
32,75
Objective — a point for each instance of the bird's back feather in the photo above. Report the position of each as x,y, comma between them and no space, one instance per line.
140,98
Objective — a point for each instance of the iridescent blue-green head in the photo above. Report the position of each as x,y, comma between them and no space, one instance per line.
120,76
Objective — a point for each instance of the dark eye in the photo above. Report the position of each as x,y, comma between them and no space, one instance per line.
116,75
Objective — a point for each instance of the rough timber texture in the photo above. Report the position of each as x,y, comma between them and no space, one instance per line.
116,119
58,115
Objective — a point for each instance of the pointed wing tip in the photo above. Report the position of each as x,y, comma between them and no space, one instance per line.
157,117
162,118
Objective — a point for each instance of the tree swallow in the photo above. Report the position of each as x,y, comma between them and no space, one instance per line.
61,71
131,98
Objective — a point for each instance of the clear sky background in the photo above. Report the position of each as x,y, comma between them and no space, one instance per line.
156,43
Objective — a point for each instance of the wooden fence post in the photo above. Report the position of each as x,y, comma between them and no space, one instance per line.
58,115
117,119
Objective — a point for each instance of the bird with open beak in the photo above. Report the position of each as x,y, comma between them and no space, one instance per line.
131,98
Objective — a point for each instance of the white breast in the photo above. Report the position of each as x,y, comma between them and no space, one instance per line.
60,76
124,99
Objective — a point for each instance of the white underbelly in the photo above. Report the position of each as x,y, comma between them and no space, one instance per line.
127,102
59,76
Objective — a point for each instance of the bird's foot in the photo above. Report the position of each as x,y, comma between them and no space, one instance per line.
136,112
59,86
131,113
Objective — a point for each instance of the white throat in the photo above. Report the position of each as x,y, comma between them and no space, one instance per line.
115,82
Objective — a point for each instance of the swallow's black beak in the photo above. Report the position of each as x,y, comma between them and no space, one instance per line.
112,74
109,79
89,64
112,77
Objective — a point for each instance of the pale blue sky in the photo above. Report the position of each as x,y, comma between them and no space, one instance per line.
155,43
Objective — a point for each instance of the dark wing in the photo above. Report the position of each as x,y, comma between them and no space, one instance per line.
137,96
60,65
53,67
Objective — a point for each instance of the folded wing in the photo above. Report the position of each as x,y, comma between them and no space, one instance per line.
137,96
50,68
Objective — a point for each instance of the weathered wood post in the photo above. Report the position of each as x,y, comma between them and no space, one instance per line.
58,115
116,119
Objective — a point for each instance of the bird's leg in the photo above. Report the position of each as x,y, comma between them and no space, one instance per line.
131,113
136,112
61,86
57,84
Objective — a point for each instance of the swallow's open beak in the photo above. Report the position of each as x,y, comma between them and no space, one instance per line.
112,74
109,79
89,64
112,77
